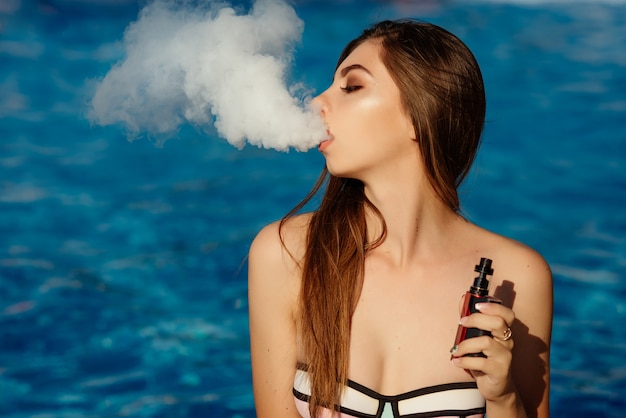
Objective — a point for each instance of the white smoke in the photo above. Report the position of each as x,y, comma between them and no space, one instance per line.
211,66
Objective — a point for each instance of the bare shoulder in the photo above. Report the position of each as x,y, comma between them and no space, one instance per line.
522,280
516,262
275,256
281,245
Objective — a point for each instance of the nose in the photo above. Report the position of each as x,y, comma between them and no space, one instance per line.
320,103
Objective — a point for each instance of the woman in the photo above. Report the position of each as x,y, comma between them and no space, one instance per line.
354,308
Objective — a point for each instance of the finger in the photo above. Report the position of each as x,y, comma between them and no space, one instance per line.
496,355
483,366
485,344
497,325
504,336
504,332
499,332
472,346
475,364
497,351
497,309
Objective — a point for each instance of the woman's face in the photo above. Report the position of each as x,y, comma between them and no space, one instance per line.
370,132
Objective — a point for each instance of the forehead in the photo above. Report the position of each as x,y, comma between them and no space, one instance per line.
366,54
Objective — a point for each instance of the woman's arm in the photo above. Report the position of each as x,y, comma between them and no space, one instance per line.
533,306
514,378
272,295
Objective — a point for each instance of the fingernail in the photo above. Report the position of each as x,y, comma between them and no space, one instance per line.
454,349
463,320
479,306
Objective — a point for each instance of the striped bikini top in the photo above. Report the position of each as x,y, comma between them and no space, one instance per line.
451,400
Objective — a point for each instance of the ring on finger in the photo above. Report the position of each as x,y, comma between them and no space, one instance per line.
506,335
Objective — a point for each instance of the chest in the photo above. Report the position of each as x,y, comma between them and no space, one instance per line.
406,314
402,331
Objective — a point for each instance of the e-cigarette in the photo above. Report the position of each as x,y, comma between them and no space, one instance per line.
478,293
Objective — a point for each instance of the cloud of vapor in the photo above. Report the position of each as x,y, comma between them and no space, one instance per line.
210,66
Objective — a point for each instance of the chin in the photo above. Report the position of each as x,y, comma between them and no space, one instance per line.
341,172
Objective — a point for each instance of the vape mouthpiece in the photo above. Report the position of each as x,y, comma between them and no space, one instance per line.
481,282
484,268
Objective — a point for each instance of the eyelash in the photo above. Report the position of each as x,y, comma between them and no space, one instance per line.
350,89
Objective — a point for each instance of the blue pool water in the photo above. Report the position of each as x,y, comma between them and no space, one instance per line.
122,265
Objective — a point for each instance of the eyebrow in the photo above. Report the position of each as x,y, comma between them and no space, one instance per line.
349,68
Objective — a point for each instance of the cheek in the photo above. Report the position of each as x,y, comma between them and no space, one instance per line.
382,119
366,114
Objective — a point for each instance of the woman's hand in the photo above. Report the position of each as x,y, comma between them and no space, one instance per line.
493,372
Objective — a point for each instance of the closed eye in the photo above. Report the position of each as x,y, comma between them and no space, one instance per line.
350,89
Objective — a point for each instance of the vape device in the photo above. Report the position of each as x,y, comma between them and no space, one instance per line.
478,293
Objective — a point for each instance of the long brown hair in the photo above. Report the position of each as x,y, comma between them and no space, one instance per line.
441,89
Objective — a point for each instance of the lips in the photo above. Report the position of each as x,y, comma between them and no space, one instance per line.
325,143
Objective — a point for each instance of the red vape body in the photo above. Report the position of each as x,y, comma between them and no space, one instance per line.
478,293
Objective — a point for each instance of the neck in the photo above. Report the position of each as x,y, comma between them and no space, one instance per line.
418,223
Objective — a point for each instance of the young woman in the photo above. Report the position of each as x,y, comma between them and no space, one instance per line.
354,308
